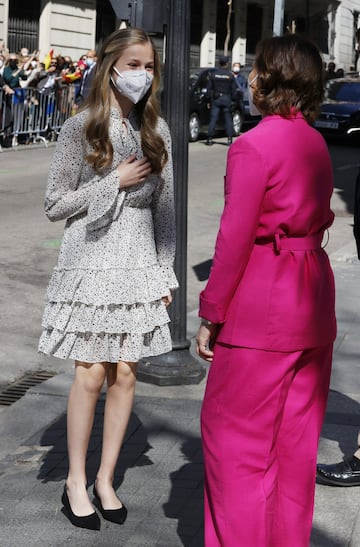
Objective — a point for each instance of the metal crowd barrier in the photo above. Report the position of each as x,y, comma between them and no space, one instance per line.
34,116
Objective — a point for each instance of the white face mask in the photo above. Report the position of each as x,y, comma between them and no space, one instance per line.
236,69
133,84
252,108
33,64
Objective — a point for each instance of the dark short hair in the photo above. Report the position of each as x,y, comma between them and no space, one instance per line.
289,74
223,60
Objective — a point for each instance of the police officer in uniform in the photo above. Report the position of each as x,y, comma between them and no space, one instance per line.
221,91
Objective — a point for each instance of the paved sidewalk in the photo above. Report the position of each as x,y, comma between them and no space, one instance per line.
160,467
337,510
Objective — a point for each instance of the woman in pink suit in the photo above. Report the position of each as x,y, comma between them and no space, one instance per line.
268,313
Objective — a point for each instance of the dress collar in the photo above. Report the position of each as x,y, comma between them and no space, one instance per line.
131,119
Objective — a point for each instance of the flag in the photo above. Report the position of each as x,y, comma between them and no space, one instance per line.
72,76
48,58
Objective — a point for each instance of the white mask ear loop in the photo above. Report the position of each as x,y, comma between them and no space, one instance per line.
111,76
253,79
252,108
113,68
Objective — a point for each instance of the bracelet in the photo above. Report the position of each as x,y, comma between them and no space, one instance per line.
206,323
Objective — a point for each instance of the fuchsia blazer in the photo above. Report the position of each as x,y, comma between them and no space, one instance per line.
271,285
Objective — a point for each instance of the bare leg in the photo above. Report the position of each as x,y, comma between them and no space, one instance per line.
119,401
84,393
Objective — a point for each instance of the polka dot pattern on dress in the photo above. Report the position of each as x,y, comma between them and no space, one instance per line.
104,299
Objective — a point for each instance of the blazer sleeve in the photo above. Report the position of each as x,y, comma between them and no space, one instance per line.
64,196
164,214
245,185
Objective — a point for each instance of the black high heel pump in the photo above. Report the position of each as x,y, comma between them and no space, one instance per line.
91,522
113,515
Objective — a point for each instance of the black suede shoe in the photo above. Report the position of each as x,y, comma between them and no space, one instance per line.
229,141
113,515
345,473
209,141
91,522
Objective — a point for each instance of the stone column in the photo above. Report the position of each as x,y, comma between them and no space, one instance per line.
208,40
239,47
278,17
4,20
44,28
68,29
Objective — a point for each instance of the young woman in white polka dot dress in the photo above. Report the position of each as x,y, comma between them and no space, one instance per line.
111,179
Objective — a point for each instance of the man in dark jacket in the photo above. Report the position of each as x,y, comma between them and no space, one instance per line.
5,112
48,80
5,87
221,91
87,77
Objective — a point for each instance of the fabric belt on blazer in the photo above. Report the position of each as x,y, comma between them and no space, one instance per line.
292,243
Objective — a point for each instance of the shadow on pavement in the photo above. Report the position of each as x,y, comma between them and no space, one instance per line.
55,464
344,173
342,422
170,445
202,270
319,538
183,488
184,505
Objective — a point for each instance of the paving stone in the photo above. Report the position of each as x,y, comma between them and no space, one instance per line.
159,476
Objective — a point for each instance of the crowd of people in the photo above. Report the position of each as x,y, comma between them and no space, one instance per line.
332,72
29,68
24,70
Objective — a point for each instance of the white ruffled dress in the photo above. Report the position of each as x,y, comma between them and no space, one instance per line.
104,300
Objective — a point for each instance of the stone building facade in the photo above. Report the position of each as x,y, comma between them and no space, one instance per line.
72,28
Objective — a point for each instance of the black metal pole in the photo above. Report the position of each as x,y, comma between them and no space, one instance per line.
178,366
355,40
176,106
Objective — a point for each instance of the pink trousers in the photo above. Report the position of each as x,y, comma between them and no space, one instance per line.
261,421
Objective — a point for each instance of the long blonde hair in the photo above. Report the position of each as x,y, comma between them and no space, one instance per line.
98,103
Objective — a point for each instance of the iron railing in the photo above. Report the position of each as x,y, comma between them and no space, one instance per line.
30,115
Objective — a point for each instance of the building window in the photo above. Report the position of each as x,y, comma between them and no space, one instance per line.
253,27
23,29
105,21
196,22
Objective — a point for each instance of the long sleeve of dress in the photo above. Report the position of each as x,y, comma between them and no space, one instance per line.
65,195
245,185
164,215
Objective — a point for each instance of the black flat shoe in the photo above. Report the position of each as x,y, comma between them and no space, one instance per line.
113,515
91,522
345,473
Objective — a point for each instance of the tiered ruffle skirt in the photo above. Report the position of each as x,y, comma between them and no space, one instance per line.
106,315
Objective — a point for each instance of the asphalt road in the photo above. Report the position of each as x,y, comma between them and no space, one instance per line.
30,243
